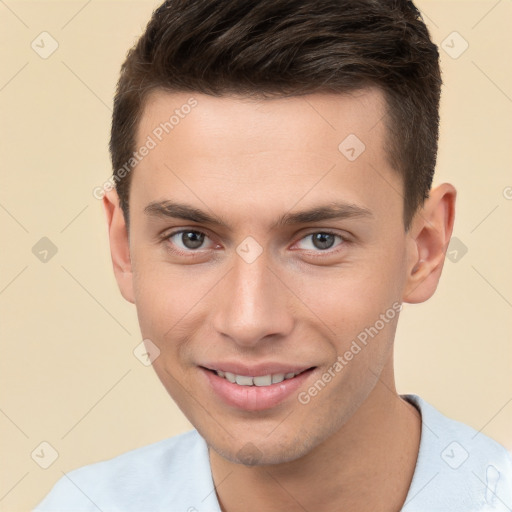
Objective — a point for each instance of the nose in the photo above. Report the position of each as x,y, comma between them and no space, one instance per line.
253,303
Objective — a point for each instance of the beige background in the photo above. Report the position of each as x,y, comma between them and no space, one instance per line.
68,374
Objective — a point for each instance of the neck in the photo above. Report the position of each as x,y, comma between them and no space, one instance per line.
368,464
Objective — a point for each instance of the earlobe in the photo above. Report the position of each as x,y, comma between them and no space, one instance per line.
119,245
428,241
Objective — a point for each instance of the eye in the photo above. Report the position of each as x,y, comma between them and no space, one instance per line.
192,241
187,240
321,240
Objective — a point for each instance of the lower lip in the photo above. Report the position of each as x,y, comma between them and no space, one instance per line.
254,398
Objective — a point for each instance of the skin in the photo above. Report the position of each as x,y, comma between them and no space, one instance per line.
354,445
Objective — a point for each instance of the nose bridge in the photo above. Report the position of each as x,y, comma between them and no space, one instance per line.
252,305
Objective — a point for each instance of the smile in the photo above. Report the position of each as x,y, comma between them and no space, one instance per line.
261,380
255,392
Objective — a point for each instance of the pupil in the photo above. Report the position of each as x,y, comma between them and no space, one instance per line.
192,239
320,242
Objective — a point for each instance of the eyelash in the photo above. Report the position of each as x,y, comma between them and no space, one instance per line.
198,252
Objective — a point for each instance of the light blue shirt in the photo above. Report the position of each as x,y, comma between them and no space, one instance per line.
458,470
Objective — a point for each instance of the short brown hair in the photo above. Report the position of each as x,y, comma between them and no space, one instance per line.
286,48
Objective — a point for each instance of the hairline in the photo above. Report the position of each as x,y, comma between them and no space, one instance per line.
389,141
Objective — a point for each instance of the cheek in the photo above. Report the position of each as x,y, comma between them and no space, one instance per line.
349,300
163,293
160,305
172,304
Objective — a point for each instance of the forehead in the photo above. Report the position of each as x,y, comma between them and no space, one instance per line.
236,119
259,151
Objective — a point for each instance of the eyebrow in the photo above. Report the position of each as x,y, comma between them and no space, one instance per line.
330,211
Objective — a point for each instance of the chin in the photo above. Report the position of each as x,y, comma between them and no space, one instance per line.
267,450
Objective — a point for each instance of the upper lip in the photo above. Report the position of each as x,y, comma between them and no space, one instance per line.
256,370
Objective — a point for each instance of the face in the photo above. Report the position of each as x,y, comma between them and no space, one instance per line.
260,247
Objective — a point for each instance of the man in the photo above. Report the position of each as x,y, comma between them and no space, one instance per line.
273,209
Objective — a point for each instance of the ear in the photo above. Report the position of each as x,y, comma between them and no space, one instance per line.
428,239
119,244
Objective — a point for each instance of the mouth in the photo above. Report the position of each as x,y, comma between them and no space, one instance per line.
259,380
244,391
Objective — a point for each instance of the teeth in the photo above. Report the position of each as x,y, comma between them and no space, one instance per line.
278,377
243,380
263,380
